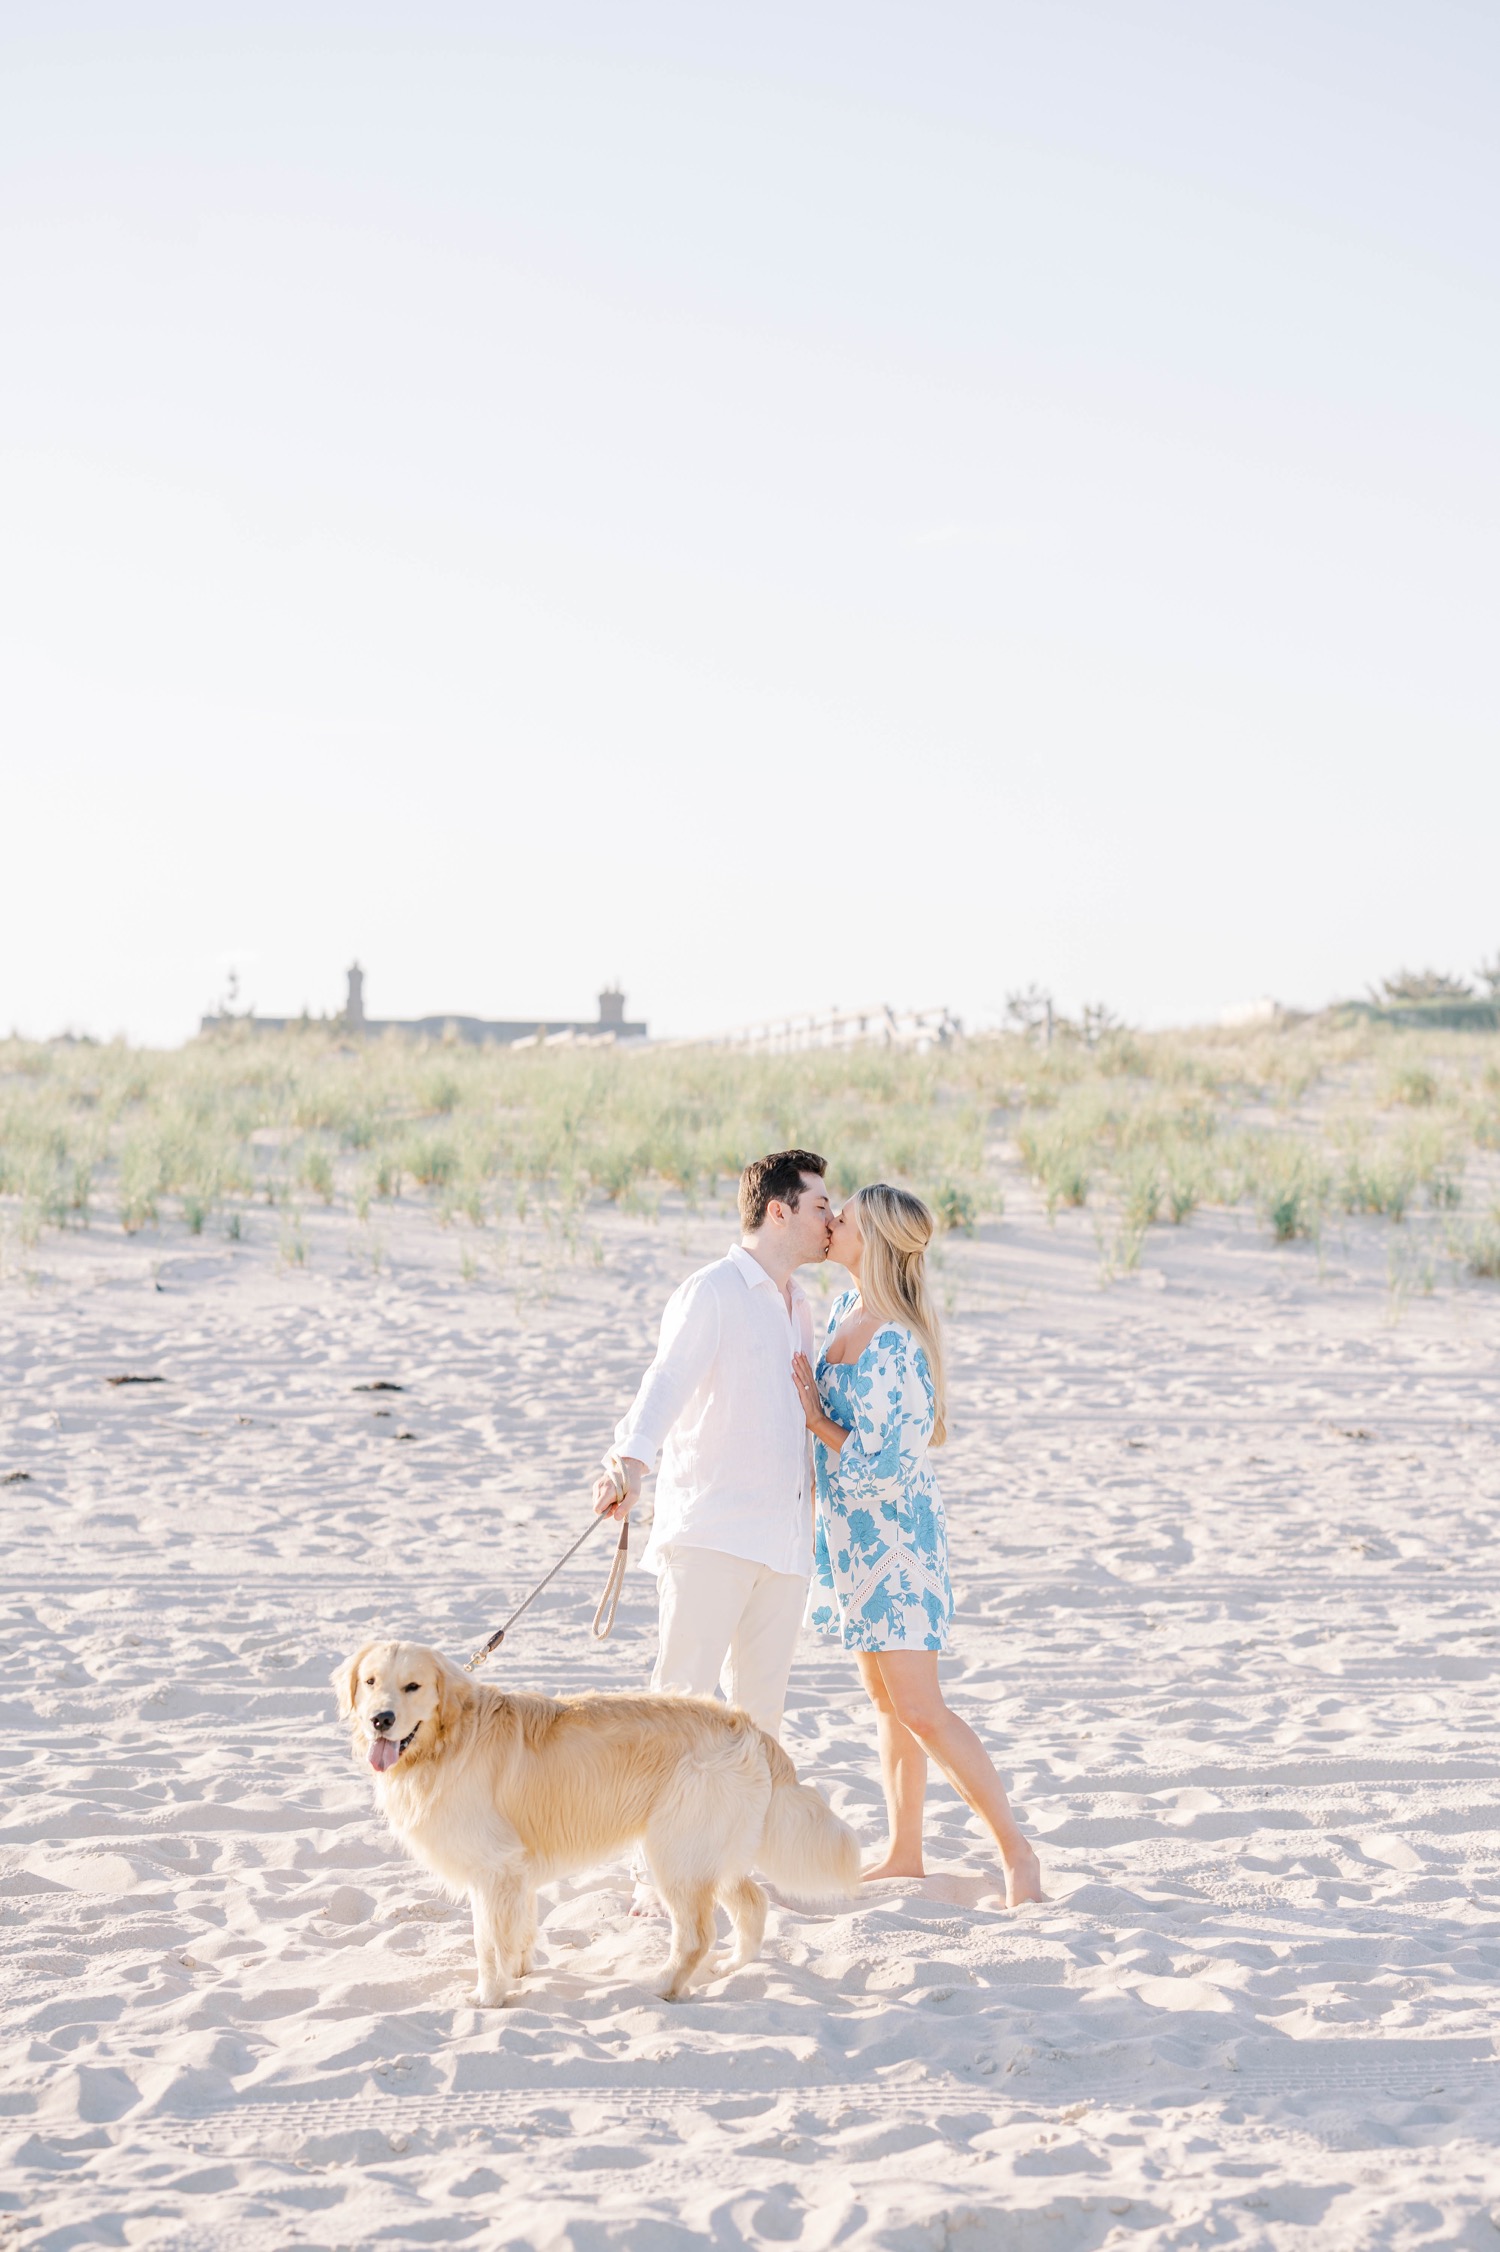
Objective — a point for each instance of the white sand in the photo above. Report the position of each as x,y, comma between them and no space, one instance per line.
1227,1616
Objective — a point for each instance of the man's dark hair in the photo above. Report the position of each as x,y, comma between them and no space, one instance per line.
776,1179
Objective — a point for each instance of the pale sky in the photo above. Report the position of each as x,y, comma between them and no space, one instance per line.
780,504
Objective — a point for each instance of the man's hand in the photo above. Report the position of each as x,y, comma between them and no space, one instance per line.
608,1499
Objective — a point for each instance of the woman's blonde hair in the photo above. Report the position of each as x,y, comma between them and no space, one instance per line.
895,1229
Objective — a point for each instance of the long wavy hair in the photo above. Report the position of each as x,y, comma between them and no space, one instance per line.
895,1229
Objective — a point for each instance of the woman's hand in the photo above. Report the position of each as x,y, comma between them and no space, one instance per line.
818,1422
807,1392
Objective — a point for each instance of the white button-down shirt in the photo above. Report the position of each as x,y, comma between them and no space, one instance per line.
719,1404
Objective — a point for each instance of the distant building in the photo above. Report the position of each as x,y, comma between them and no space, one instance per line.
610,1024
1245,1013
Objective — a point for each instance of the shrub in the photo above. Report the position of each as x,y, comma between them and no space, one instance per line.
1429,1146
1415,1086
140,1183
1057,1158
956,1211
1140,1183
316,1173
617,1171
1187,1180
1482,1249
1376,1185
432,1163
442,1093
1291,1212
1291,1189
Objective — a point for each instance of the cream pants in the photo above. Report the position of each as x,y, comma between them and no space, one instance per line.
723,1619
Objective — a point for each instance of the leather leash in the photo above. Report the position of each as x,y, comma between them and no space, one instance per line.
609,1601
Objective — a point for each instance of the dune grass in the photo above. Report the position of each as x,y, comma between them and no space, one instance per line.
1480,1248
148,1137
1298,1127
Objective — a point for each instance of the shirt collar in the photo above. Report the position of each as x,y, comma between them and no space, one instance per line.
753,1273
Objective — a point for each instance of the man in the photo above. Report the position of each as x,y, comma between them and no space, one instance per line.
731,1545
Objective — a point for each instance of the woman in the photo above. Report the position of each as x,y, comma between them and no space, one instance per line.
874,1405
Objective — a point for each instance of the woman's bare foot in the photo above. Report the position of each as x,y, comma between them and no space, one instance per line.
1023,1878
893,1865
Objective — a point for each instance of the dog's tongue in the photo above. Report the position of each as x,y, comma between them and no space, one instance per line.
383,1754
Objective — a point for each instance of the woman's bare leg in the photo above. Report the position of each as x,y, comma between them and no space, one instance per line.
909,1679
903,1777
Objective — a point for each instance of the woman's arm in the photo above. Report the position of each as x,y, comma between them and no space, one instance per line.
821,1425
869,1470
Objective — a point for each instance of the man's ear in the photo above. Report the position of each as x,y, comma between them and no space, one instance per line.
346,1680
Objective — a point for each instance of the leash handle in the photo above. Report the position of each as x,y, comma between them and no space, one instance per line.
609,1601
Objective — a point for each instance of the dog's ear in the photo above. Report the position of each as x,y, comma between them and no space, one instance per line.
454,1691
346,1680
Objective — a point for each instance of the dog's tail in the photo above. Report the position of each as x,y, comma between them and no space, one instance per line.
804,1847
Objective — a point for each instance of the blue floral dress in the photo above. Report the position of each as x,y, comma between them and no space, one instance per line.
881,1551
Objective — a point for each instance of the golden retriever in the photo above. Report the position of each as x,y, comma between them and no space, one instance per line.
496,1794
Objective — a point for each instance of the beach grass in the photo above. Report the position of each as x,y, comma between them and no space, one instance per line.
1480,1248
1294,1126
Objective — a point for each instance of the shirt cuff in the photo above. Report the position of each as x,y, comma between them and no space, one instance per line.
635,1444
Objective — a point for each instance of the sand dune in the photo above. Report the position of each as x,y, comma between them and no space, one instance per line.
1223,1542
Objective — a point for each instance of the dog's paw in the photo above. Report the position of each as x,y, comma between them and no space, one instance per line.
487,1996
681,1989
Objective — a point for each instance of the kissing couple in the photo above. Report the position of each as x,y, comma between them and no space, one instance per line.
741,1525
